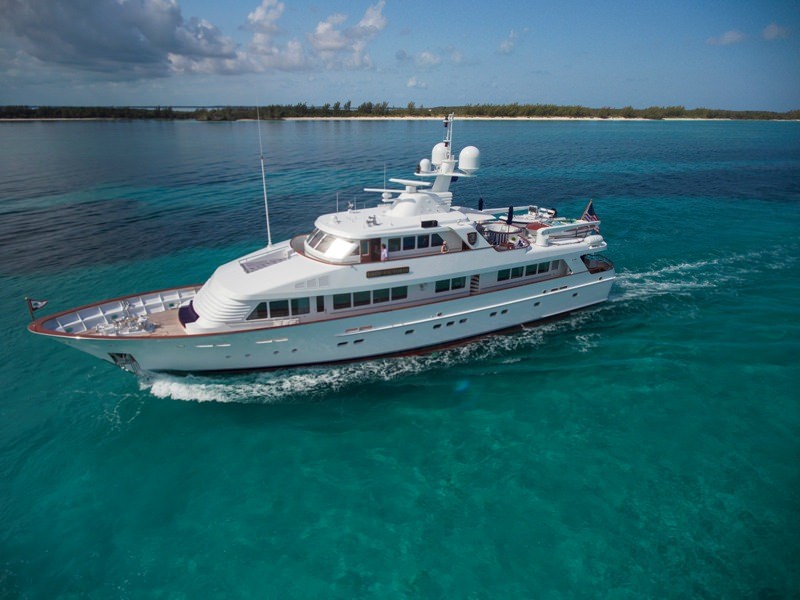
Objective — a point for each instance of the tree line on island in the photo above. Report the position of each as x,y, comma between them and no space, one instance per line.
382,109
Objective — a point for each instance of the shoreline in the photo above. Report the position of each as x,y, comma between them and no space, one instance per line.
391,118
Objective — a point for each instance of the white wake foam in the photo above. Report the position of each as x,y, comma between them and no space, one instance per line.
317,383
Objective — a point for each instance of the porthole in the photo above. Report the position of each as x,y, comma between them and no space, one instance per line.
504,311
536,303
493,314
451,323
462,321
340,344
437,326
574,294
358,341
409,331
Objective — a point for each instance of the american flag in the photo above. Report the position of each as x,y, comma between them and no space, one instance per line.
590,215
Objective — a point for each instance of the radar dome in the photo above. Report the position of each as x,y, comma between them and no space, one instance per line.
469,160
439,154
425,166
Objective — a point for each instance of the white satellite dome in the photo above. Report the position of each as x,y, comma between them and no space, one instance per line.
439,154
469,160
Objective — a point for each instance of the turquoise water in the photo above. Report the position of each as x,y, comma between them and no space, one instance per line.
645,448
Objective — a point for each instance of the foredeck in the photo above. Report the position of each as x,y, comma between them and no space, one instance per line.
165,323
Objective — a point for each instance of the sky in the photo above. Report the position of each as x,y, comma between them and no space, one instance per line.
726,54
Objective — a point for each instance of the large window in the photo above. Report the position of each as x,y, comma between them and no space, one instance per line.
523,271
280,309
301,306
445,285
315,237
342,301
365,298
261,312
361,298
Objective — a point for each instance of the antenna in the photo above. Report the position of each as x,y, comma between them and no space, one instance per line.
263,177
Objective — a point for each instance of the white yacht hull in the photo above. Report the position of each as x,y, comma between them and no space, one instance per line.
389,332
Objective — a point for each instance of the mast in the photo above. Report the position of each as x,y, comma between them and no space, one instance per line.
263,178
443,157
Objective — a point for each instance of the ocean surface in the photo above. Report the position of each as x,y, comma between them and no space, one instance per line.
645,448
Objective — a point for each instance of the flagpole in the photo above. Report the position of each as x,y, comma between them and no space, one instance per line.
30,308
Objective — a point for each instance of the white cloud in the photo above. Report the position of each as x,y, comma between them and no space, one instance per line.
509,43
115,39
134,39
427,59
773,31
413,82
326,38
265,17
373,20
346,48
729,37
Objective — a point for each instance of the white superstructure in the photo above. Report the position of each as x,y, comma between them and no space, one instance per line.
415,272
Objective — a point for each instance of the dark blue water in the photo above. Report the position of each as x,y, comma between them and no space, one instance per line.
649,447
